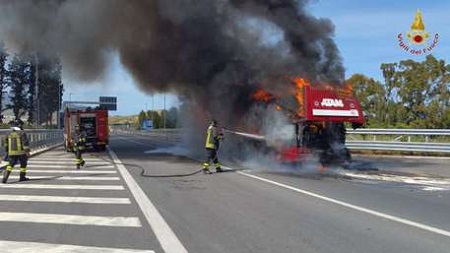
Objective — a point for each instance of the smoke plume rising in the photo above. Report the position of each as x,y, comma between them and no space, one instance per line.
208,51
211,53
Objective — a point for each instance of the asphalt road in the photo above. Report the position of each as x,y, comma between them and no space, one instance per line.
107,206
263,211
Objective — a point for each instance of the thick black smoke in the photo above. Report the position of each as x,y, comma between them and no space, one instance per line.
211,52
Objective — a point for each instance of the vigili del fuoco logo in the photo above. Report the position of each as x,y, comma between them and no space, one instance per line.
418,40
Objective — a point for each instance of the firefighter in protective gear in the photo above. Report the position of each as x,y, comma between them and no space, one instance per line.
213,137
17,150
79,145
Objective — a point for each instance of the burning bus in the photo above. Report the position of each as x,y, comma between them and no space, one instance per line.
318,119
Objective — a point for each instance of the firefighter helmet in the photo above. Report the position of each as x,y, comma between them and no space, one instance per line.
16,125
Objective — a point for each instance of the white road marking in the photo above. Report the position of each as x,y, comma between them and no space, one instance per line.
67,187
72,178
70,219
27,247
434,189
166,237
31,166
34,162
36,198
60,158
416,180
81,171
354,207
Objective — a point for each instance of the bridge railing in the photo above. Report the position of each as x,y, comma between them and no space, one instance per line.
157,135
407,140
38,138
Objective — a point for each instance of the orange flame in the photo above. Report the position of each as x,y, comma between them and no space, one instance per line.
299,93
262,95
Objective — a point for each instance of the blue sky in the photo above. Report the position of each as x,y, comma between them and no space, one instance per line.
365,33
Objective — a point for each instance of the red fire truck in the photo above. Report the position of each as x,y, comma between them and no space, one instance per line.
92,121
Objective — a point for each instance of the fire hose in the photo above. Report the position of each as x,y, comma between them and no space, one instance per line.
143,170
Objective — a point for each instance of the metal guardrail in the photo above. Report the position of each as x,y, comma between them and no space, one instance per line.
39,138
380,131
399,146
360,139
409,140
157,135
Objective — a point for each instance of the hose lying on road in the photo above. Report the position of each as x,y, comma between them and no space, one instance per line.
143,170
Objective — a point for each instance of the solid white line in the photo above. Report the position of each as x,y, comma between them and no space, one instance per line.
67,166
70,171
166,237
73,178
70,219
354,207
58,186
28,247
35,198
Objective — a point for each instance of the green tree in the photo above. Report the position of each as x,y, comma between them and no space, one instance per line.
414,94
4,77
50,87
172,118
390,86
141,117
19,71
439,94
32,92
157,119
371,95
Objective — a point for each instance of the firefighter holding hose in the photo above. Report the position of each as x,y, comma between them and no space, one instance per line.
214,136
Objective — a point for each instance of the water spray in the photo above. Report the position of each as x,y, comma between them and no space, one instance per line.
248,135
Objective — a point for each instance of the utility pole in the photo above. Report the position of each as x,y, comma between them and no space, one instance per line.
36,90
164,113
58,113
153,108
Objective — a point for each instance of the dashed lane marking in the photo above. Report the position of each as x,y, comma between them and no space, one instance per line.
90,166
27,247
81,171
32,162
90,200
66,187
70,219
69,178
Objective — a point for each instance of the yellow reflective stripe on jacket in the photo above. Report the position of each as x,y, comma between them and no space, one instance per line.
209,138
15,144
